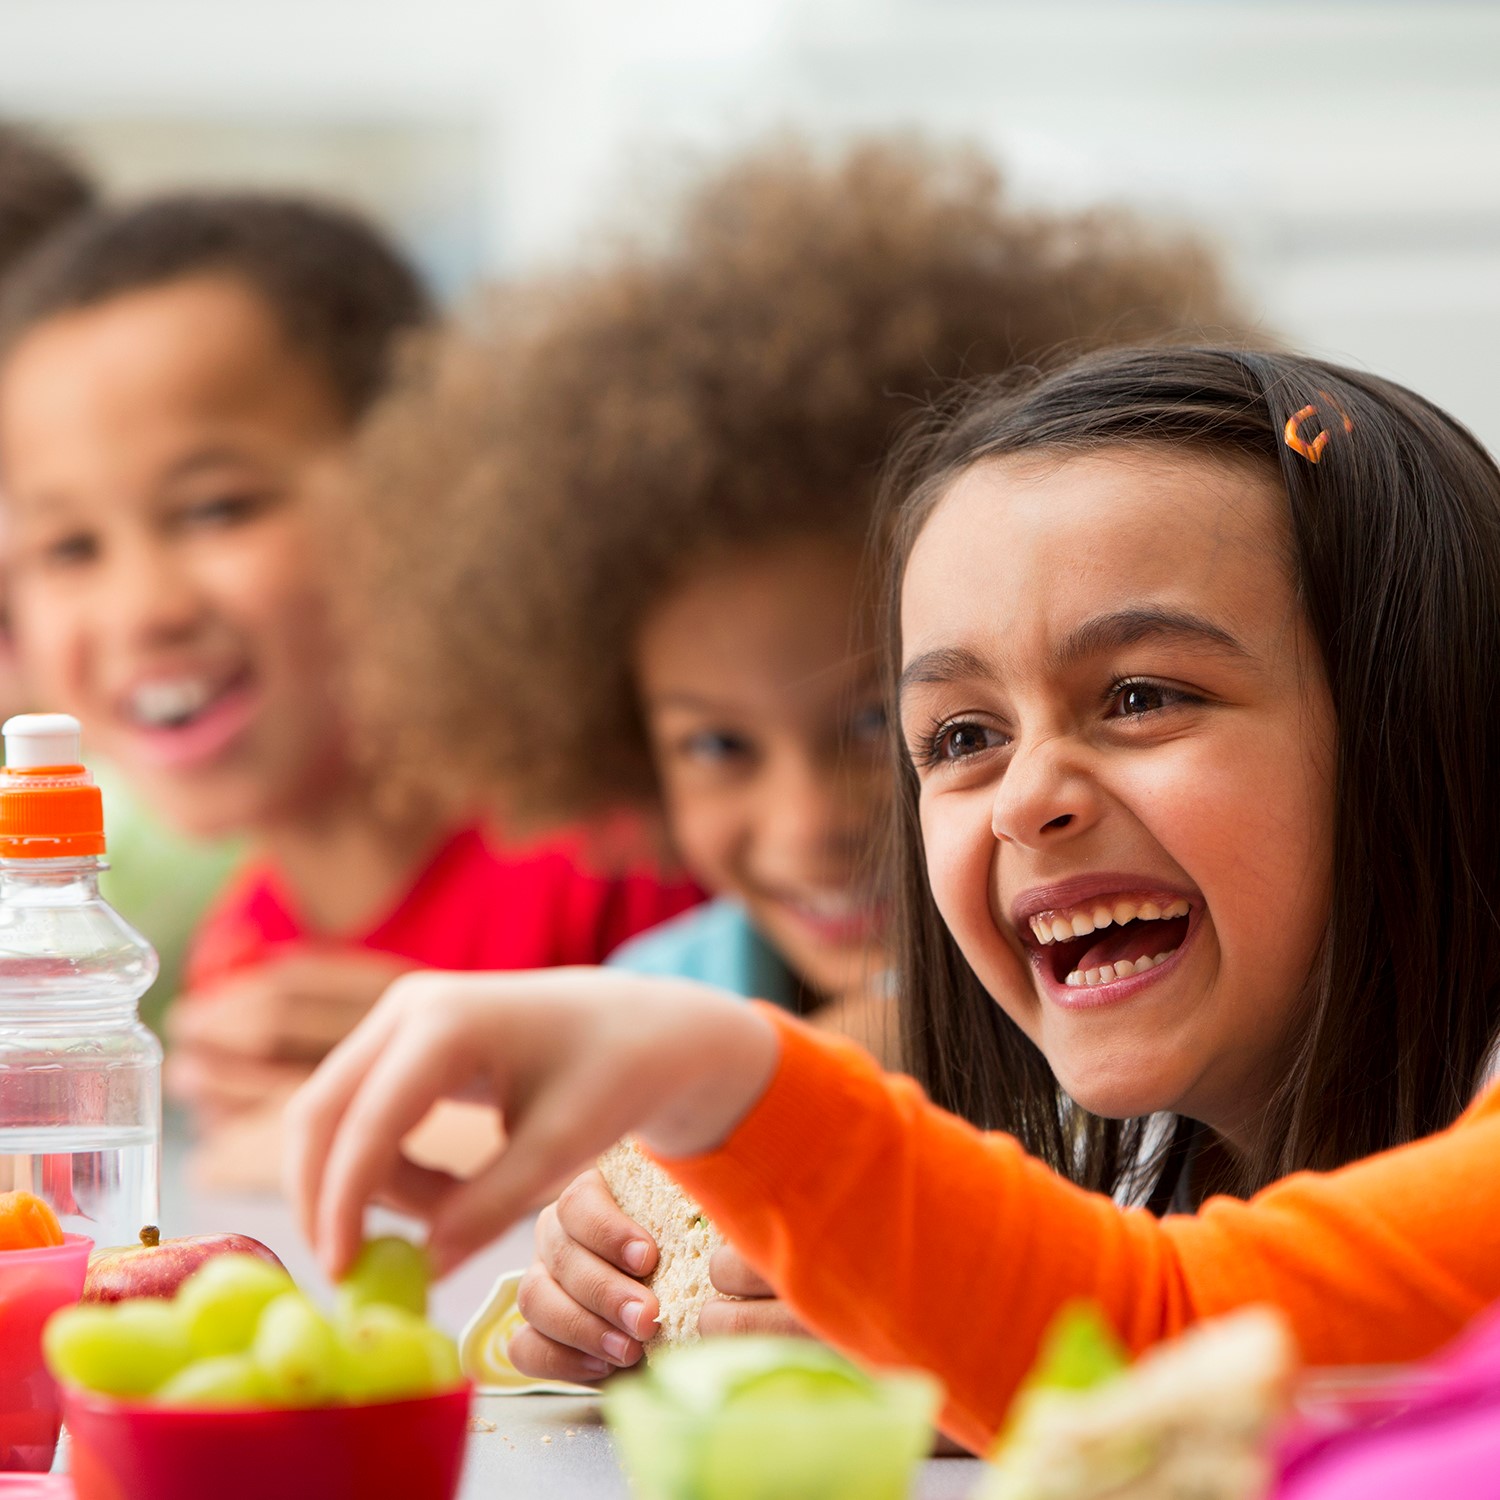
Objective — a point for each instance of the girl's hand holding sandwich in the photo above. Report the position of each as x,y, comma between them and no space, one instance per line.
587,1313
572,1058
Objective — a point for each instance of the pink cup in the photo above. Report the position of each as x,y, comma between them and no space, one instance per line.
33,1285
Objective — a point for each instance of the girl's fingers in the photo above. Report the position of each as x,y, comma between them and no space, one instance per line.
220,1081
587,1212
398,1088
416,1190
237,1017
314,1112
593,1283
558,1317
325,996
735,1277
759,1315
535,1355
577,1113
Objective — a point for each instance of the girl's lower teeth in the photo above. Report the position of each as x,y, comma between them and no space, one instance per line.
1083,979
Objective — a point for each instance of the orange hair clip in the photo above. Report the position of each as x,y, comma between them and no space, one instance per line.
1312,451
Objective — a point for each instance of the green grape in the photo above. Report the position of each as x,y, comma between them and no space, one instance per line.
711,1374
442,1354
387,1355
128,1349
223,1380
1079,1351
296,1352
390,1271
793,1387
221,1304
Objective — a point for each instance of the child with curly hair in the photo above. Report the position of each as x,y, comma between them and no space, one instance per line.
650,483
181,382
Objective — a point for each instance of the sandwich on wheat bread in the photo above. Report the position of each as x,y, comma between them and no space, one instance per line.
1191,1419
682,1233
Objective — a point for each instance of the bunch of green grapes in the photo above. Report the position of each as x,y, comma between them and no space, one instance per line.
239,1333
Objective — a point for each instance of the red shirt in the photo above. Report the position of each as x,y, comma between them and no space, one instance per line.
474,906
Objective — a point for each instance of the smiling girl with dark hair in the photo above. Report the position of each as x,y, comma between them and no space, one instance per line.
1392,540
1198,656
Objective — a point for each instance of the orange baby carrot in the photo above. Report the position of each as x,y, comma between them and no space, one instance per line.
27,1223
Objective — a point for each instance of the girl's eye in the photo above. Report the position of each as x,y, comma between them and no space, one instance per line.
869,725
1131,700
958,741
714,747
221,512
72,551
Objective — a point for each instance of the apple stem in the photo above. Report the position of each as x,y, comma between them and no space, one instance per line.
151,1236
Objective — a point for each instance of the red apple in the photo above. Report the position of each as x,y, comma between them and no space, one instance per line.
157,1267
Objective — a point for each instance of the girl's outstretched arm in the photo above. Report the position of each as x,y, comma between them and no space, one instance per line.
905,1236
892,1229
574,1059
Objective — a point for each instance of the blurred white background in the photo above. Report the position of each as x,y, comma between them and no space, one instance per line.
1345,156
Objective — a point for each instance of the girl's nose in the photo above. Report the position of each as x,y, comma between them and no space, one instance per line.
1044,795
153,599
813,811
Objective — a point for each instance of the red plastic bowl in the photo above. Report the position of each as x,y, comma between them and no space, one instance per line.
33,1285
413,1450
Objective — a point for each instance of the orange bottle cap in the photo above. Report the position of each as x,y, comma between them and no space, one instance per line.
49,805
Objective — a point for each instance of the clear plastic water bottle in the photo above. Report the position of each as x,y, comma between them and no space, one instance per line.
80,1076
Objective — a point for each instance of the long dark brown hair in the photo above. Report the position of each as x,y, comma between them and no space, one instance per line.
1395,555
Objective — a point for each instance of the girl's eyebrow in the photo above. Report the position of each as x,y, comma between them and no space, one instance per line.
946,664
219,456
1129,627
1107,632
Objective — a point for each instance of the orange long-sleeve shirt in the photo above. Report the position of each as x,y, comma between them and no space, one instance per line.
907,1237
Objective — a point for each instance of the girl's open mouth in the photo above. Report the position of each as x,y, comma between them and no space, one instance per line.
1106,939
189,719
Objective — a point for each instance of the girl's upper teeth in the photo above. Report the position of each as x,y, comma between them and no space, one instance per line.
1056,927
168,701
831,908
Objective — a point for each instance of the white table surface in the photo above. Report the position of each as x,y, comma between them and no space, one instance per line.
539,1447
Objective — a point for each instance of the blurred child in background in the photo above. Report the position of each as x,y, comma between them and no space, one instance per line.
158,879
652,486
180,384
633,575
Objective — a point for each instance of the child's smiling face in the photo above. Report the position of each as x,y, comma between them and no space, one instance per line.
159,456
766,727
1125,746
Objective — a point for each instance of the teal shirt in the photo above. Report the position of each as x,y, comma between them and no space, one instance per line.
714,944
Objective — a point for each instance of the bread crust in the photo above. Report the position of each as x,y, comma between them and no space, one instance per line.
684,1237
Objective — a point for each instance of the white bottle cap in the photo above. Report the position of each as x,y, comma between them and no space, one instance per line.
33,740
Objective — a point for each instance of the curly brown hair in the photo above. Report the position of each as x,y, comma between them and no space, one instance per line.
730,381
339,290
40,189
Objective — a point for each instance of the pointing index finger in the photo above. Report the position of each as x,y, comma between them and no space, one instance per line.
388,1100
314,1112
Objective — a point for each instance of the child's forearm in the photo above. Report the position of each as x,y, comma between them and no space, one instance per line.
907,1237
